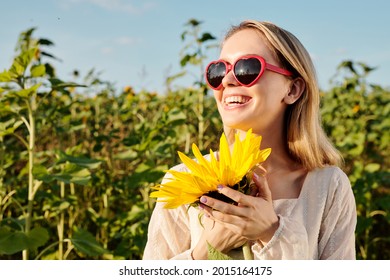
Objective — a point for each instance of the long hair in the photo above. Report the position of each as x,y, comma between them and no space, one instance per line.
306,139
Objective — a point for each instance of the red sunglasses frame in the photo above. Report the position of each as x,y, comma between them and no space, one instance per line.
229,67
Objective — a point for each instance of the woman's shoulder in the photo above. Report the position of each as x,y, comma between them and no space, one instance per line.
181,167
330,172
330,179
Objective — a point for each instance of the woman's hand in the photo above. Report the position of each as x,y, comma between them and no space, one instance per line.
218,236
253,218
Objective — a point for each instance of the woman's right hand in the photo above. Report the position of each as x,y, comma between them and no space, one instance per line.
218,236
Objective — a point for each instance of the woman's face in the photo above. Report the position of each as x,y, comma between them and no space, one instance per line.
261,106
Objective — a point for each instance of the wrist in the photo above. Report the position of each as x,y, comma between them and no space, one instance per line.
269,233
200,251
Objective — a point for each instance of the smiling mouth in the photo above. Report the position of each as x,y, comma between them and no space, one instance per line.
235,100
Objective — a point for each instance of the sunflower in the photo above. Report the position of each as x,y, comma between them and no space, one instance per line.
233,169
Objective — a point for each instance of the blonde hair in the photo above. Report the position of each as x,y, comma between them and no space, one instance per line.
306,140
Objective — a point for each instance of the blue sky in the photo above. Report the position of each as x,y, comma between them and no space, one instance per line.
138,43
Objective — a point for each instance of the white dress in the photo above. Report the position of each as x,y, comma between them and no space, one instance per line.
319,224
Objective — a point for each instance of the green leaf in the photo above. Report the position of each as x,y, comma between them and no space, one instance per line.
17,124
43,53
37,237
186,59
176,116
214,254
81,178
17,69
372,167
59,84
128,155
38,70
5,127
71,174
205,37
10,108
40,173
45,42
170,79
25,93
12,242
145,173
5,76
193,22
86,243
76,170
80,161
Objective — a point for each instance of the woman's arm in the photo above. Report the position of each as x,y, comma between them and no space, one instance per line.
169,235
337,232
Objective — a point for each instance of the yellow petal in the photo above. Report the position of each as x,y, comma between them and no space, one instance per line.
206,164
187,187
192,165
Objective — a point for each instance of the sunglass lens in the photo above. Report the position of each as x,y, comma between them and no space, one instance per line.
215,74
247,70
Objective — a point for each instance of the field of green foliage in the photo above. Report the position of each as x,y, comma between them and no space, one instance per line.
77,161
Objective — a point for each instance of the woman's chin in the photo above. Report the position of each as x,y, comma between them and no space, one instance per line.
235,123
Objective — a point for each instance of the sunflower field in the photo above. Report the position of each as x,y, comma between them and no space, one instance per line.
78,159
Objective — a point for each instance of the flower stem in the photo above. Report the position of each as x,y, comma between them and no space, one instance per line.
31,147
246,250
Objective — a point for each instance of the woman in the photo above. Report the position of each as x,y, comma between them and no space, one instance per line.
304,206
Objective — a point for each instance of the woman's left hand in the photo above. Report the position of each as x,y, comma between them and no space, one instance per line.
253,217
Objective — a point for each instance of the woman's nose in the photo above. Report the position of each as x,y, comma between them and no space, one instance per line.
229,80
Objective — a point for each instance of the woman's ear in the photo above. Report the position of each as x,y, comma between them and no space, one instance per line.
297,87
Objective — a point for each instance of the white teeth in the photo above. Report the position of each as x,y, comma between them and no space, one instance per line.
236,99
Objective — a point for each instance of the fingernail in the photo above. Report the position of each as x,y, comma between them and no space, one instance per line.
220,187
201,206
203,199
257,177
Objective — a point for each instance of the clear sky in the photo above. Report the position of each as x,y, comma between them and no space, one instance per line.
138,43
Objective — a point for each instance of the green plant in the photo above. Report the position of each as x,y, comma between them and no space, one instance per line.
192,57
24,88
355,116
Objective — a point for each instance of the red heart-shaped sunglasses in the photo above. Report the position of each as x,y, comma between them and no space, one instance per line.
247,70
